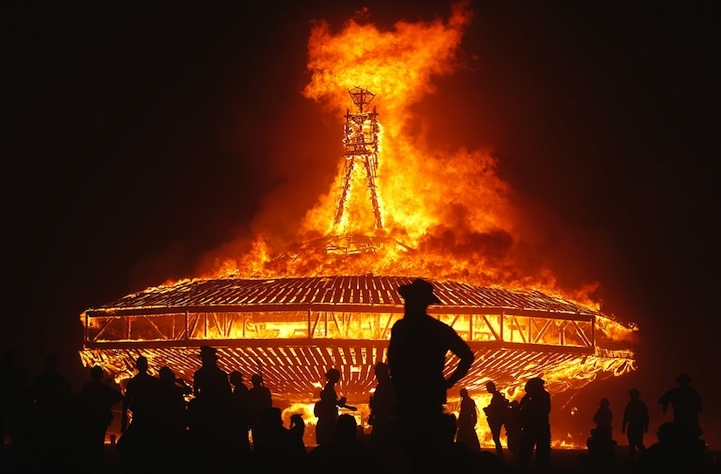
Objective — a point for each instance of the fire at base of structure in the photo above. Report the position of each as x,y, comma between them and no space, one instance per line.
294,329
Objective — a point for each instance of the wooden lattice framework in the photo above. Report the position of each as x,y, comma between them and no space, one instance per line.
294,329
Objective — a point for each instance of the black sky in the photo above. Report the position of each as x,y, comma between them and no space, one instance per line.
138,139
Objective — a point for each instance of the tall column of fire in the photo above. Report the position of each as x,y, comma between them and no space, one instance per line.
361,144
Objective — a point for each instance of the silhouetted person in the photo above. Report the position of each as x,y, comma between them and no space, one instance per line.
686,404
240,413
496,413
601,446
383,407
513,428
417,355
275,453
535,407
259,399
467,420
209,410
603,418
97,399
141,400
345,453
12,391
456,457
51,394
10,378
15,407
296,433
673,453
453,456
210,382
51,391
326,409
140,396
173,412
635,422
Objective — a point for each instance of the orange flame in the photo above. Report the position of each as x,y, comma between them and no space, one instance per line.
432,201
446,213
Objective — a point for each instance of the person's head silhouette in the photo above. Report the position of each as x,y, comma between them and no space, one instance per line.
346,429
236,378
141,363
333,375
683,380
418,295
96,373
382,371
166,374
208,354
535,385
51,362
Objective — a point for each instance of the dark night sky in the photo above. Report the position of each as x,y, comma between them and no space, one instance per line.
140,139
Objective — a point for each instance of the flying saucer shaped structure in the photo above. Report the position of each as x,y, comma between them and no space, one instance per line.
292,330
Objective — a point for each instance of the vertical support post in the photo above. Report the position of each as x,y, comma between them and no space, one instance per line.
529,338
310,334
503,324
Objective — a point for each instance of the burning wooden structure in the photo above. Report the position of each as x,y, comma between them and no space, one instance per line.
294,329
360,143
330,299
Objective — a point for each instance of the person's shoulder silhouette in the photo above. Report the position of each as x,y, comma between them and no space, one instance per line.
210,381
686,404
51,389
418,348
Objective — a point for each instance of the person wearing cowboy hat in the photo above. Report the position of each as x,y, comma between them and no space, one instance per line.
686,404
417,354
635,422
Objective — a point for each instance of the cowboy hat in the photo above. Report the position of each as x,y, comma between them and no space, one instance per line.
419,290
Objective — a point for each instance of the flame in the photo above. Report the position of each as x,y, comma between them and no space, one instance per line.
445,213
422,193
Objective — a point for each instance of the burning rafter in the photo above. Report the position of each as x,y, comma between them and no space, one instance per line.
298,327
